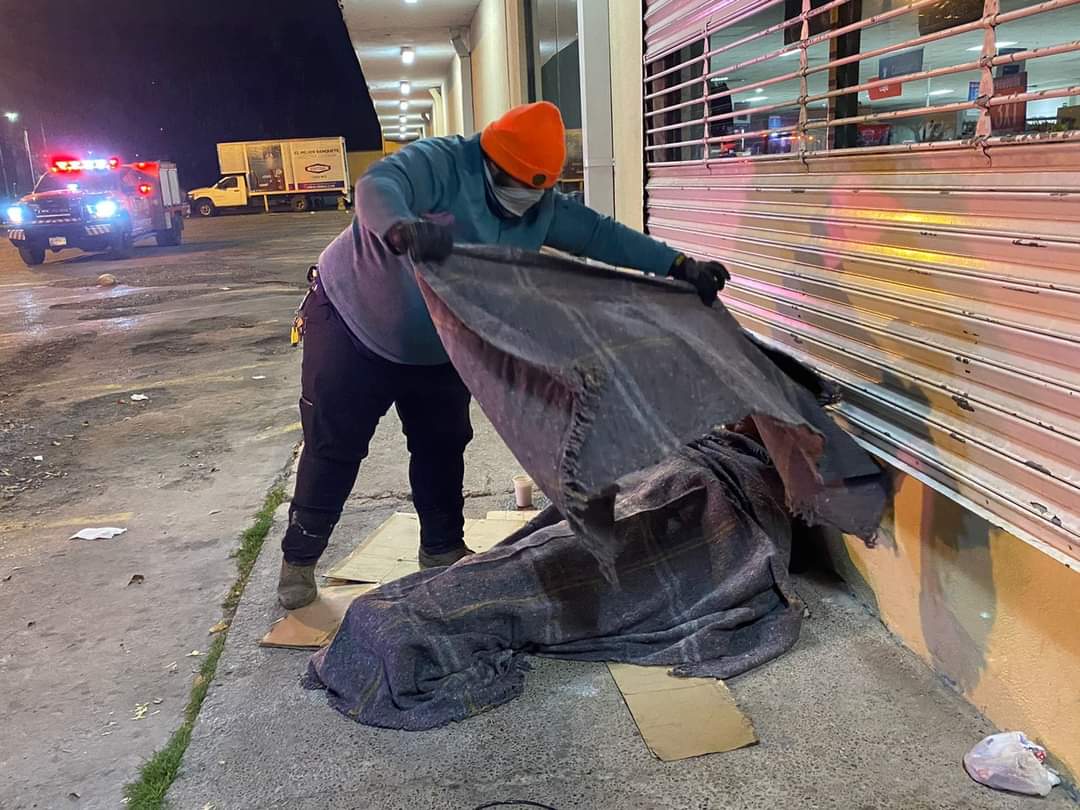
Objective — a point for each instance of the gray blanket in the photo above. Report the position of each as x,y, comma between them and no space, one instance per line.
610,391
591,374
701,552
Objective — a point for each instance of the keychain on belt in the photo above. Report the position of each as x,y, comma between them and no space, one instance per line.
296,334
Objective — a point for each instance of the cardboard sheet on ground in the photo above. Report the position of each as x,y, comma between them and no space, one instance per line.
389,552
314,625
682,717
520,515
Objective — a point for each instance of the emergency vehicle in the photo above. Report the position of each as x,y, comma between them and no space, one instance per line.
96,205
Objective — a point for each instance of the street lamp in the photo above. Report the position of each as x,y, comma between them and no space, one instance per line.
12,117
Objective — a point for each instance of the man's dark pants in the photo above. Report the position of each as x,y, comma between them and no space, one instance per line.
346,390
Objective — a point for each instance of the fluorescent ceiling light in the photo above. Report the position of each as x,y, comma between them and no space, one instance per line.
978,48
406,88
411,2
403,105
941,92
759,89
408,55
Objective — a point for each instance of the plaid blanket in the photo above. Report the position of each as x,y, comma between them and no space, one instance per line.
589,374
612,392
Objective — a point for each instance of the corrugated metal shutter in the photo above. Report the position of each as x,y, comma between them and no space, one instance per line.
938,283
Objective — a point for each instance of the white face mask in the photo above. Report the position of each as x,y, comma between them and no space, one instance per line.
515,200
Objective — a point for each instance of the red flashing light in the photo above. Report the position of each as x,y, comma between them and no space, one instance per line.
114,162
89,164
145,189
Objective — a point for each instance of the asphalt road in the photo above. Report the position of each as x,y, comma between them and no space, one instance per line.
202,331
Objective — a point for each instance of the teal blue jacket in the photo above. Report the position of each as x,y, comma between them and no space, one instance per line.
442,179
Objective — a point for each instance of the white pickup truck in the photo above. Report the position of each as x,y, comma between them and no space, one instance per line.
298,174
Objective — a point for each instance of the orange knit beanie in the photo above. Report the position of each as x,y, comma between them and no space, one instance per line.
528,143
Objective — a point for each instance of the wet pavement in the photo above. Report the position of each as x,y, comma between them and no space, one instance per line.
200,331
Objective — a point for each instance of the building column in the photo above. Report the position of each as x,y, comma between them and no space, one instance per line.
461,40
596,137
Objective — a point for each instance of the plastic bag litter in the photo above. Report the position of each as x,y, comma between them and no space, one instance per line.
1010,761
103,533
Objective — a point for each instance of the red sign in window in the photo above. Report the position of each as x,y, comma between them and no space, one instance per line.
890,90
1006,119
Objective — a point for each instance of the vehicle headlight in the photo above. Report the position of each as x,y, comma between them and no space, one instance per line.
103,209
16,215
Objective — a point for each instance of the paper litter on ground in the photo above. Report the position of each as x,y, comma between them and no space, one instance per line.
102,533
314,625
682,717
389,552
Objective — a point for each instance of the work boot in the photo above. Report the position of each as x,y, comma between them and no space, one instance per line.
296,585
446,558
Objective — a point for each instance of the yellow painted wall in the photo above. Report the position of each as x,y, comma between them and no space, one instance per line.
627,111
497,59
998,618
360,161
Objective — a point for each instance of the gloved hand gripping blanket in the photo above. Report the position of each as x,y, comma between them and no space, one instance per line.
608,389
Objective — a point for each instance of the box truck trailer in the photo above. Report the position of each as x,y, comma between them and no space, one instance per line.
298,174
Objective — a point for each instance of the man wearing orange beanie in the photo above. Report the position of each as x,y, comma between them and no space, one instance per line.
369,342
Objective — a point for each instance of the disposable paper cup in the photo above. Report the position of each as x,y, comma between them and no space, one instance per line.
523,491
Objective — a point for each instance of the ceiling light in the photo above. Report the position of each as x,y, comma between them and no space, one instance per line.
411,2
408,55
759,89
760,98
1002,44
403,105
402,119
406,88
941,92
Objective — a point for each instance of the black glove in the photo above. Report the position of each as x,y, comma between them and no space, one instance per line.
708,277
425,241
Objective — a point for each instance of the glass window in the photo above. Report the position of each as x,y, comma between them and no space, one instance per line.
674,106
227,182
1050,74
894,76
754,104
763,105
554,74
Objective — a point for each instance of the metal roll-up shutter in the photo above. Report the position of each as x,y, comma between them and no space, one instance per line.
896,190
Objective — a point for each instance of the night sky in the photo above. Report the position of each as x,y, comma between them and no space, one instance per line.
169,80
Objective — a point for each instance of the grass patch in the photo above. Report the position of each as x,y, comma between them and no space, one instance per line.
251,543
157,774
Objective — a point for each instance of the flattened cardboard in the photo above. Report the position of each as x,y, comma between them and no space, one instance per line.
389,552
314,625
481,535
682,717
384,550
520,516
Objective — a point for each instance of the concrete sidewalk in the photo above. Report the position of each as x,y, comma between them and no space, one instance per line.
848,719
